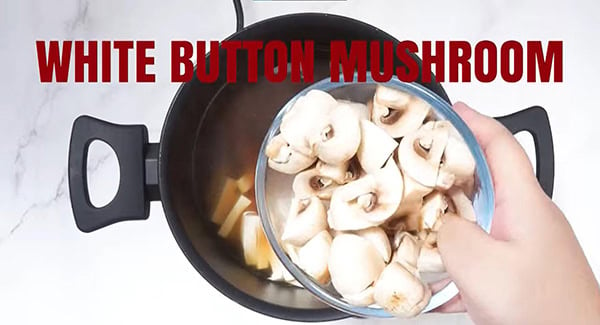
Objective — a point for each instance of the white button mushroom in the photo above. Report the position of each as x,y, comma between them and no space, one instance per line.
338,140
375,195
283,158
420,163
407,252
458,160
434,206
462,205
338,173
376,147
354,264
308,116
397,112
307,217
368,201
313,257
430,260
379,240
359,109
400,292
362,299
311,183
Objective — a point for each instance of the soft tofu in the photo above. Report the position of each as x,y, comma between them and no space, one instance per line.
245,183
234,214
229,194
250,238
263,249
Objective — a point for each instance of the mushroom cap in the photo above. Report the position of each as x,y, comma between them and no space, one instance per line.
419,163
354,264
359,109
430,260
414,221
338,140
313,257
391,97
284,158
362,299
462,204
307,116
368,201
400,292
397,112
458,160
338,173
407,252
376,147
379,240
413,192
312,183
307,217
434,206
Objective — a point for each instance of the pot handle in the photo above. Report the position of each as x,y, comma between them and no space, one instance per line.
137,165
535,121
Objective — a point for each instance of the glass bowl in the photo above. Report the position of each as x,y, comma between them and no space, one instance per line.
274,189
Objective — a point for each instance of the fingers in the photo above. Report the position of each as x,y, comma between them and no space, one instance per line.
466,250
509,165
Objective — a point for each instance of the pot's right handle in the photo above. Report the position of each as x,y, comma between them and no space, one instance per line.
535,121
137,165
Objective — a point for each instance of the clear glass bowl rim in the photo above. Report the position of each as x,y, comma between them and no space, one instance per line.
483,202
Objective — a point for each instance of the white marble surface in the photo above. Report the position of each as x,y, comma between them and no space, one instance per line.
134,273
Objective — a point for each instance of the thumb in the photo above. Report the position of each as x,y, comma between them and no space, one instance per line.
467,251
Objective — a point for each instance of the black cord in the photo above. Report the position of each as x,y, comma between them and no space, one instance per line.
239,15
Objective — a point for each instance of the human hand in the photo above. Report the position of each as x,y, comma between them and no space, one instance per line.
530,269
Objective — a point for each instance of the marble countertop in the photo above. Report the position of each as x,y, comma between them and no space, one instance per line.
134,272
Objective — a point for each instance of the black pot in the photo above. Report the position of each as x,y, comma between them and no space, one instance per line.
214,130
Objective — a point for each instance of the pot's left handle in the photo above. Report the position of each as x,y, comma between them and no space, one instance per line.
137,165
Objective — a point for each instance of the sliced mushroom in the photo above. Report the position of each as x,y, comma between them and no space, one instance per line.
313,257
430,260
376,147
307,217
338,173
397,112
414,221
379,240
284,158
400,292
354,264
462,204
413,193
391,97
337,141
312,183
458,160
368,201
434,206
408,208
407,252
433,141
416,161
393,226
359,109
362,299
307,116
430,239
